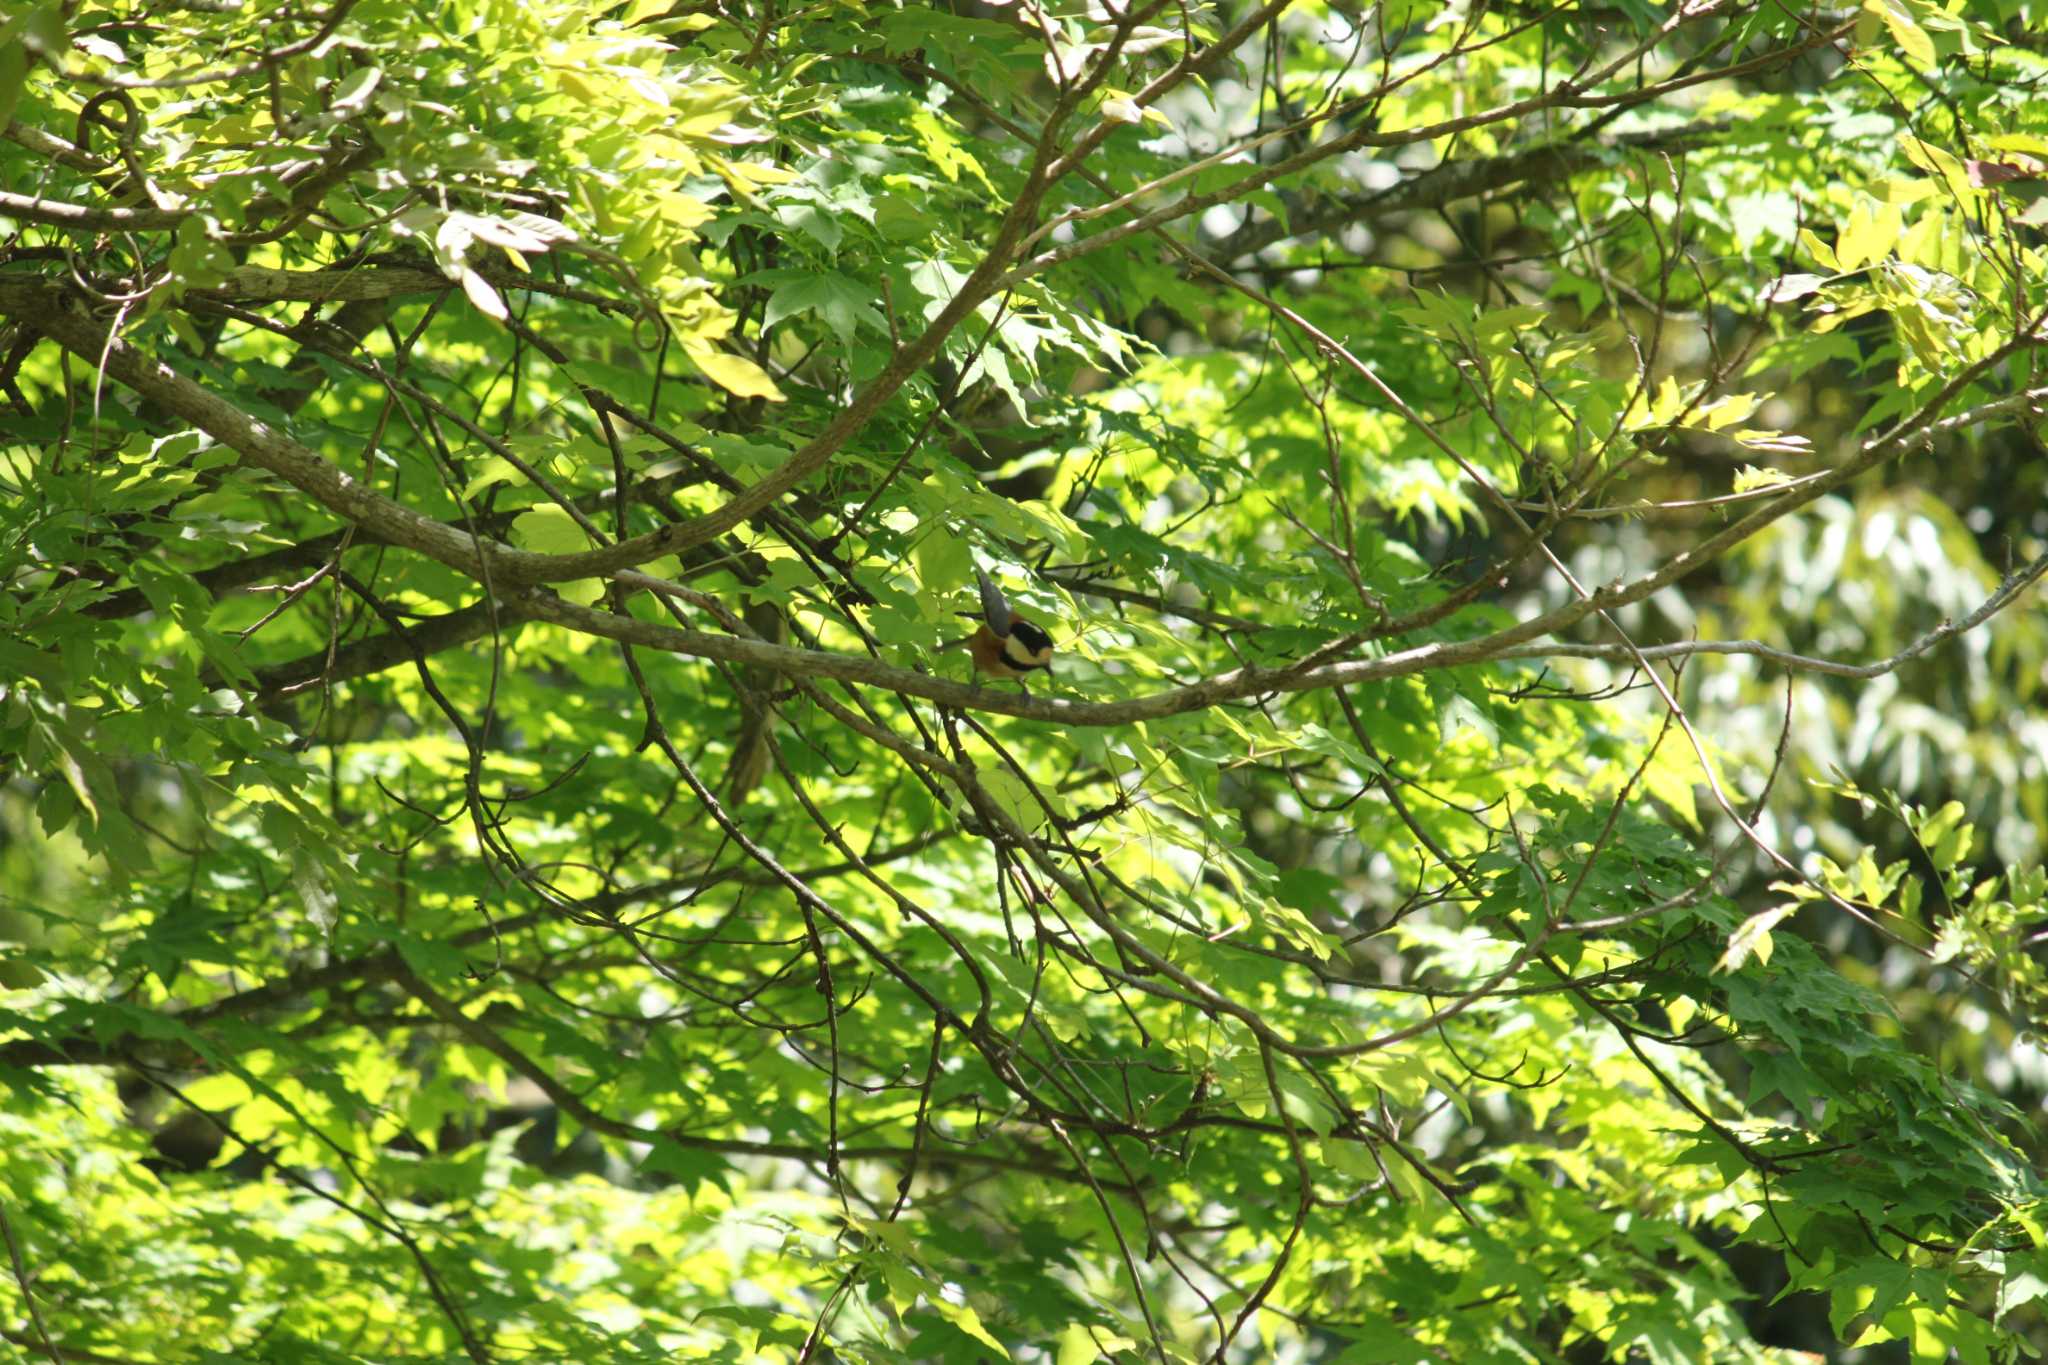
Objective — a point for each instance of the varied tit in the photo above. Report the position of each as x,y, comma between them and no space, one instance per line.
1004,645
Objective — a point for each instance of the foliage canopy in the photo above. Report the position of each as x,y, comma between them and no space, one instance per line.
504,867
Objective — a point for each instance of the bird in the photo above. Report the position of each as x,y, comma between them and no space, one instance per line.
1005,645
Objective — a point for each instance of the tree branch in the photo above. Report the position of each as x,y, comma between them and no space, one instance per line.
2010,588
1451,181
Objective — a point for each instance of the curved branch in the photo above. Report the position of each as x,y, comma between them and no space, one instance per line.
45,308
1567,96
1451,181
2014,583
266,61
266,448
1242,683
80,218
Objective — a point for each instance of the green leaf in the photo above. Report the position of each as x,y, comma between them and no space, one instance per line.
1077,1347
13,76
968,1321
39,31
1899,17
549,530
844,305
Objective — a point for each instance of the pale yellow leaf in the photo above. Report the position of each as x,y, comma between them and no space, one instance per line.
1752,938
734,374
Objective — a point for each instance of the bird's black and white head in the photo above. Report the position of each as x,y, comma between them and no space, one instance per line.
1026,647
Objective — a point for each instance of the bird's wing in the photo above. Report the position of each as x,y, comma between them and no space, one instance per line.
995,609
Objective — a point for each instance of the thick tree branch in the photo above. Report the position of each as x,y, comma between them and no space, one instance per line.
44,307
382,278
399,525
81,218
1243,683
304,193
376,653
